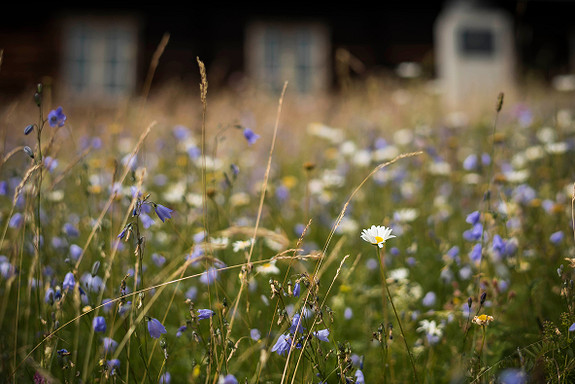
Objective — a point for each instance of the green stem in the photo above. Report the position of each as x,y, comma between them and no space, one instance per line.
37,221
487,195
384,281
482,344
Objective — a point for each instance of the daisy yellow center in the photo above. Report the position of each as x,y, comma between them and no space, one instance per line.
378,239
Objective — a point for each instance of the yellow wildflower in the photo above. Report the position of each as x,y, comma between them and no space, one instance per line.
482,319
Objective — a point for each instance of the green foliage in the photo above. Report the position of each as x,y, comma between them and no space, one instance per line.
246,226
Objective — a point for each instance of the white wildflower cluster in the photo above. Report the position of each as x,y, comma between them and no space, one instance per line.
433,331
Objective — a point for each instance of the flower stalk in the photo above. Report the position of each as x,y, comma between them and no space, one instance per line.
384,282
378,235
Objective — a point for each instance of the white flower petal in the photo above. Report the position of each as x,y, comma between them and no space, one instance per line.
377,235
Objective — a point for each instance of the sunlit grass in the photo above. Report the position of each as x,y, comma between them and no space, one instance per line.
476,285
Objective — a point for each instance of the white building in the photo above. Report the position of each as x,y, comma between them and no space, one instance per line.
474,52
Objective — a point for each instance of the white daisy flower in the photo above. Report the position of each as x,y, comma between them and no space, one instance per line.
430,327
519,176
362,158
334,135
377,235
440,168
386,153
399,274
268,268
331,178
535,152
482,320
219,242
239,199
241,245
547,135
211,164
347,225
274,245
557,148
405,215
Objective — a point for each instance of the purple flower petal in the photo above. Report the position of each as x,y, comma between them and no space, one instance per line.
155,328
250,136
205,314
163,212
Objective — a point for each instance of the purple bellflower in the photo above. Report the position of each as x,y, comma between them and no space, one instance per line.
155,328
282,345
56,118
230,379
69,281
322,335
250,136
99,324
296,290
296,324
109,344
163,212
205,314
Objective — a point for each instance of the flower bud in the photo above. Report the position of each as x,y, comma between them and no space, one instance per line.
38,98
483,297
27,150
28,129
499,102
309,166
95,268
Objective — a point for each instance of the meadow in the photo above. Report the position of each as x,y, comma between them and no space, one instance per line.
203,235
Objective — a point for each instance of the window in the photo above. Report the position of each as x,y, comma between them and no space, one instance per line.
303,58
478,41
272,58
100,58
78,61
298,53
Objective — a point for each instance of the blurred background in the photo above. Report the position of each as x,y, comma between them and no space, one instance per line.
107,51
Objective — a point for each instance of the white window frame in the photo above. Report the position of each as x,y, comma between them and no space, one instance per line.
303,57
99,58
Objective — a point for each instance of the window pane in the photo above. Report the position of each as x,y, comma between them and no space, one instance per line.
100,58
477,41
78,58
272,57
304,60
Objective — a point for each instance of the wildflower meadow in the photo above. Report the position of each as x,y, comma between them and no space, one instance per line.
205,235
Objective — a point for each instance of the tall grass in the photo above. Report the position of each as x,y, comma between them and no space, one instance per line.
215,255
